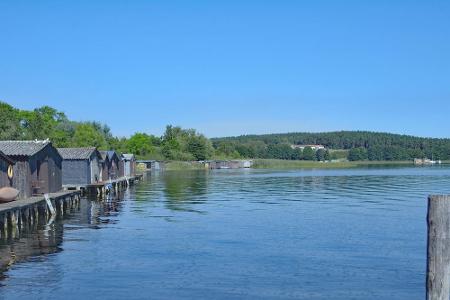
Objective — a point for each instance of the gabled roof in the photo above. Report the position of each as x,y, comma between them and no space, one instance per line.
104,155
109,155
22,148
6,158
77,153
127,156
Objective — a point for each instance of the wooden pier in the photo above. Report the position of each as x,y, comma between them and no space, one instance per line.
24,214
105,188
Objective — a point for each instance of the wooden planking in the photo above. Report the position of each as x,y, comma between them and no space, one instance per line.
438,252
19,204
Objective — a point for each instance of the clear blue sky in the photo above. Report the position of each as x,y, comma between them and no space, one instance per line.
233,67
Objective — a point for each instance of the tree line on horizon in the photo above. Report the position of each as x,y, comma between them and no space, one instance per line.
358,145
187,144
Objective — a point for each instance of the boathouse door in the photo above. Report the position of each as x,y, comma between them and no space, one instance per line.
42,176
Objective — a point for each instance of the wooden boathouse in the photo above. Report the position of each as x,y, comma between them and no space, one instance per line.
104,165
151,165
80,166
37,169
110,165
127,165
229,164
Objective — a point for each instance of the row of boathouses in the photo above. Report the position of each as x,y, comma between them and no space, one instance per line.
37,167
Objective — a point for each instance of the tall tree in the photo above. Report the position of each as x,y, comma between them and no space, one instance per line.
86,135
10,128
309,154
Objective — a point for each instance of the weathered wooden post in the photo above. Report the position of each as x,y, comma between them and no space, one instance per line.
438,252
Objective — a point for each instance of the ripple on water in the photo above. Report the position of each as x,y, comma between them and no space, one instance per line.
309,234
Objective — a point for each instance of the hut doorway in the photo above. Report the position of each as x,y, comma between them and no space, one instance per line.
42,183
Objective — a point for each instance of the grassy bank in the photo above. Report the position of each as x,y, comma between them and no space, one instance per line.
291,164
301,164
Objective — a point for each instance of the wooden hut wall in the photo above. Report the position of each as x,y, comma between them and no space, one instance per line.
76,171
105,170
123,168
4,180
133,167
128,167
55,170
114,170
234,164
22,178
95,168
46,170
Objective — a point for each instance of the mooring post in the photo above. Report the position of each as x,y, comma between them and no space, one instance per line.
438,252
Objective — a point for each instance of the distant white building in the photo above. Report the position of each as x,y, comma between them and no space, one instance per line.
302,147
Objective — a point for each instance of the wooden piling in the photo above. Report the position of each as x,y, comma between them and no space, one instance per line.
438,252
24,215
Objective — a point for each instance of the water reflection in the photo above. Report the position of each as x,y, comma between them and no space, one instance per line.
42,241
179,191
185,189
46,238
310,234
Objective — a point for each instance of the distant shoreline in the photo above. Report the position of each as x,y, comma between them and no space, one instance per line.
301,164
295,164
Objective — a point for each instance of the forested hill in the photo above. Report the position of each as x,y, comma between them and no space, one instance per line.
187,144
364,144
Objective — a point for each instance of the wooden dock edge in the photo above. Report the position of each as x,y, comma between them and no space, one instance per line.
104,188
23,215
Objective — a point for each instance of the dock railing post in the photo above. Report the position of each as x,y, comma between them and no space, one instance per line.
49,204
438,249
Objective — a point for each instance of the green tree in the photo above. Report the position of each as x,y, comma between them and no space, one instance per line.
86,135
10,128
309,154
356,154
185,144
200,147
297,154
140,144
327,155
41,122
320,154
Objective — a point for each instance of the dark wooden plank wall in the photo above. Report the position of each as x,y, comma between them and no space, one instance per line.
105,170
4,180
54,170
22,178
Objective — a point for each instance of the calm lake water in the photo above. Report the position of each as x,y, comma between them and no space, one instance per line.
236,234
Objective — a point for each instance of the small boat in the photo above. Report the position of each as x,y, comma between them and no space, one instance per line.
8,194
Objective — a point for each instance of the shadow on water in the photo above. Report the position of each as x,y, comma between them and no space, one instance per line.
43,239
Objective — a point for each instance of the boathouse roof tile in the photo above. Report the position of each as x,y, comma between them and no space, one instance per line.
76,153
22,148
109,154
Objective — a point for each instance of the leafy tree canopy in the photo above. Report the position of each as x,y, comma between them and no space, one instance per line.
187,144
